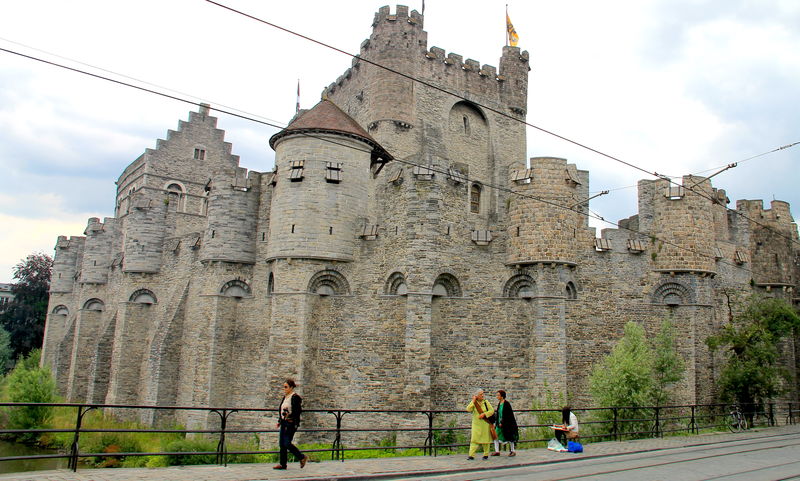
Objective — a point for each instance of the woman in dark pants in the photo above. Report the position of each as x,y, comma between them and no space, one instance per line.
288,422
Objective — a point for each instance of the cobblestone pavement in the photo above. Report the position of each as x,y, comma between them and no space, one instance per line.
388,467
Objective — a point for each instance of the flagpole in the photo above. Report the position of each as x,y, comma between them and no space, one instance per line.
506,25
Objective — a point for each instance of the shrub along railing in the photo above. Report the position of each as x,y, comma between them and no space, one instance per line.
596,424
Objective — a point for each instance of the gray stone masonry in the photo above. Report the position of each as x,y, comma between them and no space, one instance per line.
404,288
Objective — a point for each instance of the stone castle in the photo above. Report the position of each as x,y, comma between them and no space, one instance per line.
402,251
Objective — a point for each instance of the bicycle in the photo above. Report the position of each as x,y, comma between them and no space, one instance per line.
736,420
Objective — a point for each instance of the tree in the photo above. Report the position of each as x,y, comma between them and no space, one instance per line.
6,354
25,316
637,374
668,365
751,374
625,378
29,383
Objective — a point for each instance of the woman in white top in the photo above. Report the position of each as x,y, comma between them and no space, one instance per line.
288,421
569,429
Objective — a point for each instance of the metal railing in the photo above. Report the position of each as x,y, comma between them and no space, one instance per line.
601,423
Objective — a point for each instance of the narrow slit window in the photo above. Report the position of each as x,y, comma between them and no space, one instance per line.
475,199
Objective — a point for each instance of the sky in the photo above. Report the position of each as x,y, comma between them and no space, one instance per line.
672,86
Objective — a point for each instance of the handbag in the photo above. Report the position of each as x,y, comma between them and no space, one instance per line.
489,420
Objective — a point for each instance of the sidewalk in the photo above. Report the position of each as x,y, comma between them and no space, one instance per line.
387,467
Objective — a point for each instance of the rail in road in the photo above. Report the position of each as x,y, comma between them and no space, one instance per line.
750,457
764,453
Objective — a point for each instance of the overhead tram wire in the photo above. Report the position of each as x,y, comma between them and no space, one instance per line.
491,109
738,162
137,80
433,169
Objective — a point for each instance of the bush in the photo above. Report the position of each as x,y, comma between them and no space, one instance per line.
191,445
28,383
111,443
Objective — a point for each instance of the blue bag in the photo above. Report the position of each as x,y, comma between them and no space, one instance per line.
574,447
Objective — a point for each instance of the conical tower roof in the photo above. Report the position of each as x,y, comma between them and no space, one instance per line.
326,117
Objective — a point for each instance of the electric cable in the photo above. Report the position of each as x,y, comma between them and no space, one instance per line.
492,109
433,169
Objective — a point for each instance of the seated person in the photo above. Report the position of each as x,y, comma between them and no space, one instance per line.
569,429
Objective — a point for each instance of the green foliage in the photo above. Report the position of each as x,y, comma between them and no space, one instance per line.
751,375
668,366
25,316
636,374
6,353
547,399
28,383
197,444
111,443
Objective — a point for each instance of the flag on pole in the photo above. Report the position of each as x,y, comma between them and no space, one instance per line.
511,36
297,110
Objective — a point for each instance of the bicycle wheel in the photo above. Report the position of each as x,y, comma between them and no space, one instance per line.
734,422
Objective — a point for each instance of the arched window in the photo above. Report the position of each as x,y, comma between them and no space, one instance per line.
61,310
446,285
235,288
571,292
175,196
143,296
396,285
270,284
94,305
328,283
672,294
521,285
475,198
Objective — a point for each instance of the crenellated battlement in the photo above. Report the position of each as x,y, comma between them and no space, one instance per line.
779,211
384,15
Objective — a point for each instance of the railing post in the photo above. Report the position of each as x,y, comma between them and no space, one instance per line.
772,414
337,451
222,452
693,422
658,426
429,444
614,427
791,414
75,449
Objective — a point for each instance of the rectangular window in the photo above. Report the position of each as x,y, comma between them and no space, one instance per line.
456,176
635,245
674,192
296,170
602,244
482,237
522,176
422,172
333,172
199,154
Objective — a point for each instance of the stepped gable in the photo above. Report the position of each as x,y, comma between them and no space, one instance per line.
326,117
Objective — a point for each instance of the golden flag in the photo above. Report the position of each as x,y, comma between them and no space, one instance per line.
513,38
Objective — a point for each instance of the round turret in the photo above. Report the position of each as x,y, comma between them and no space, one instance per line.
542,231
321,190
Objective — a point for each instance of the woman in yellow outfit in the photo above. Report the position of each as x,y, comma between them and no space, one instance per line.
481,409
